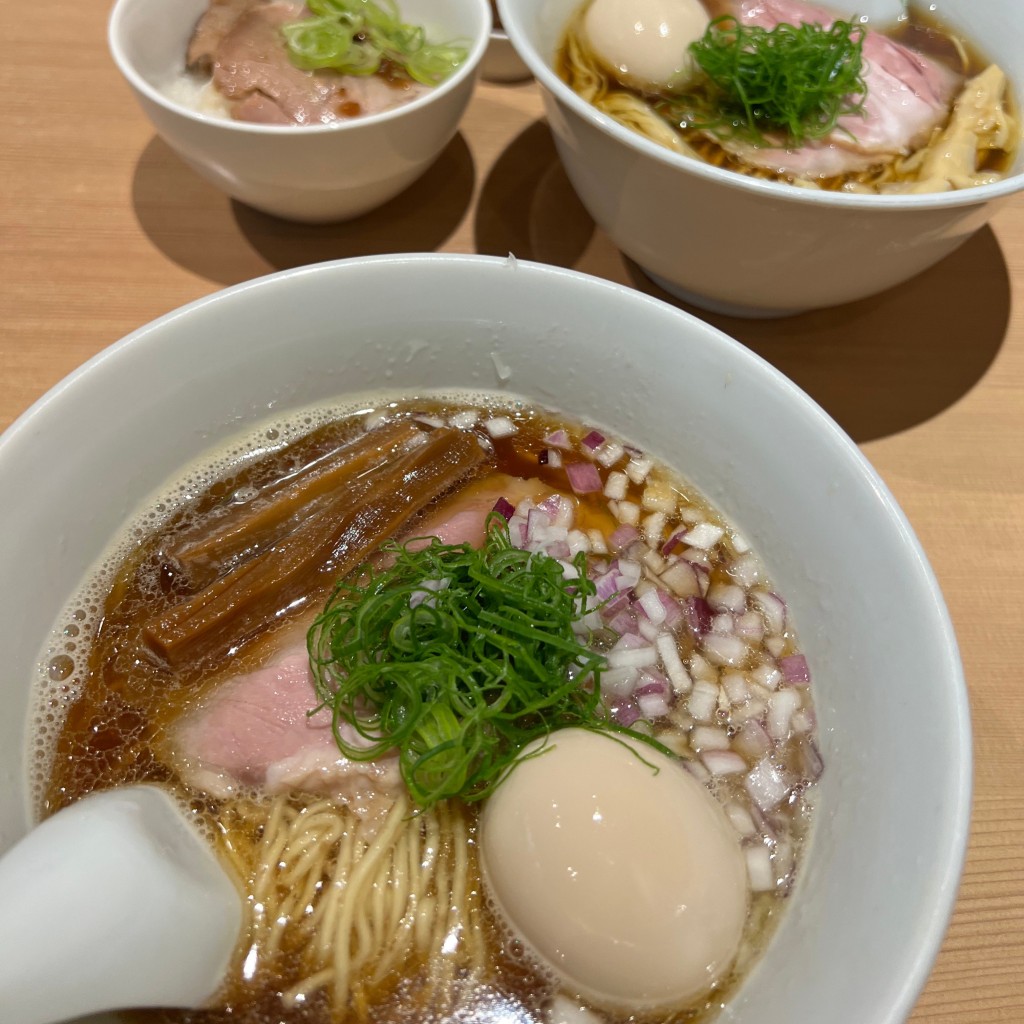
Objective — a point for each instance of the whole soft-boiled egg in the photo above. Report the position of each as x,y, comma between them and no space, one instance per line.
617,869
645,43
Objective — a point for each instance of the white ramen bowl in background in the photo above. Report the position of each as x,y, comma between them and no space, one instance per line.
738,245
313,173
880,874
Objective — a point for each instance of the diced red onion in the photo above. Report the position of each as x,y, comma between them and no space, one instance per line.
622,536
795,669
583,477
653,705
697,615
626,714
558,439
674,541
593,440
505,508
623,622
559,509
560,549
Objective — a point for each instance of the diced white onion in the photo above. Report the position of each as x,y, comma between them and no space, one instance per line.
766,784
780,713
759,868
465,419
638,467
727,597
672,663
735,686
720,649
609,453
709,737
654,527
703,701
636,657
741,819
628,512
616,486
723,762
499,426
704,536
681,579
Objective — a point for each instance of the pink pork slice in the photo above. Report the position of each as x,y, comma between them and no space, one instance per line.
908,95
255,731
252,69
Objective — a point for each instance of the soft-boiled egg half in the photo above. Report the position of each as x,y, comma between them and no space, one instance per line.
645,43
617,869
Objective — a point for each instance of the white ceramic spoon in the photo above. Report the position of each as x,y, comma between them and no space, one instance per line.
114,902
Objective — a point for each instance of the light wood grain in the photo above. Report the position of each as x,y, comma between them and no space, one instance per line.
102,229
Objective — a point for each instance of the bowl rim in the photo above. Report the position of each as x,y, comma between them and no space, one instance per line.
950,845
511,18
466,70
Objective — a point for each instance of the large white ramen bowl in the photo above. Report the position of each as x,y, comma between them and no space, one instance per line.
880,875
738,245
314,173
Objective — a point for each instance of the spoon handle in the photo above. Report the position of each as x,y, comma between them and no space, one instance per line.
114,902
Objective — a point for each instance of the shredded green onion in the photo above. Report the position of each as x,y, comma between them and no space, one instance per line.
458,658
797,79
355,37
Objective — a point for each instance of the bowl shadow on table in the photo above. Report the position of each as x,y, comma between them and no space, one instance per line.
879,366
199,228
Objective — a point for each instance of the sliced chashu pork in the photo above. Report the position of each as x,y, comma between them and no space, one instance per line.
239,42
908,95
255,730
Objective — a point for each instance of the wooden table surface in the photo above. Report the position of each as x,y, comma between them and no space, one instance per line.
102,229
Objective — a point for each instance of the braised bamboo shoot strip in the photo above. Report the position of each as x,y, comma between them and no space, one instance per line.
326,546
276,509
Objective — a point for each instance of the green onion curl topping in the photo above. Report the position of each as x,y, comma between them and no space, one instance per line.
458,658
356,37
795,79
